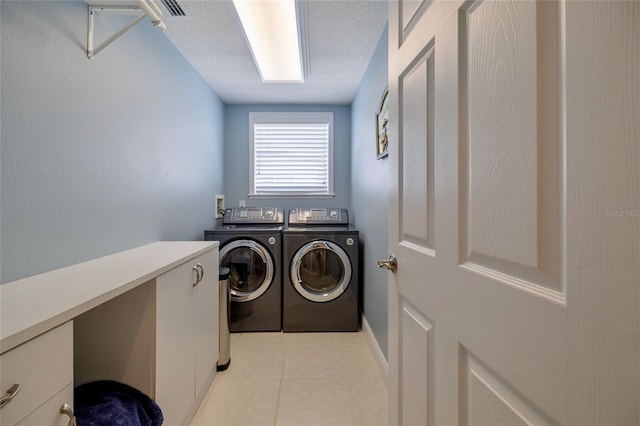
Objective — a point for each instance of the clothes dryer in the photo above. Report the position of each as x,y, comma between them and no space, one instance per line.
320,269
251,247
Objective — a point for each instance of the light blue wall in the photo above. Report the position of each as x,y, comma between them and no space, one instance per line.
369,191
236,158
99,155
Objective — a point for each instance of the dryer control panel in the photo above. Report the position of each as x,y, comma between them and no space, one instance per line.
318,216
253,215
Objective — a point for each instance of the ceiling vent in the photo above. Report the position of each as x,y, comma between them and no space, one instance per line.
174,8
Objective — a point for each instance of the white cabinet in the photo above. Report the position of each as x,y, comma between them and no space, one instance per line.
43,367
186,335
147,317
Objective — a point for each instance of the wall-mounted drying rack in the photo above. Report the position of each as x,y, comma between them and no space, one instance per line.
144,8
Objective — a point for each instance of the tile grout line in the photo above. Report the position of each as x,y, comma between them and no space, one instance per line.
286,349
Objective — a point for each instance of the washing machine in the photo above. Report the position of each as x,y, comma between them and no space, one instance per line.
320,269
251,247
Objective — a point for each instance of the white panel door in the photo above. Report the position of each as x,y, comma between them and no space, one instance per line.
514,212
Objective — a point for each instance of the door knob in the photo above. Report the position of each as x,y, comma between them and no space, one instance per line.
390,264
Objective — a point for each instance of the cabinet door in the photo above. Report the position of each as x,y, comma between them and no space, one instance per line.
175,362
206,320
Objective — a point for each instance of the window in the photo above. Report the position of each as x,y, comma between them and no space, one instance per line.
291,154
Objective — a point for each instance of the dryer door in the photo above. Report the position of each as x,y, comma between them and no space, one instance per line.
251,266
321,271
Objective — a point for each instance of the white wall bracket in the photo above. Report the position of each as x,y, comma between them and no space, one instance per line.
144,8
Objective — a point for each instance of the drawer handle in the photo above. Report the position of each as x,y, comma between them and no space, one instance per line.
195,268
66,409
199,273
199,265
11,393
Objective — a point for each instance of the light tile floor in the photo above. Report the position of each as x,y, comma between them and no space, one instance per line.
297,379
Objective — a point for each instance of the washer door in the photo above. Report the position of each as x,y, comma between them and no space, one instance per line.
251,268
321,271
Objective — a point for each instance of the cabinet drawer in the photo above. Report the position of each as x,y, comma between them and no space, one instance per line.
42,367
49,413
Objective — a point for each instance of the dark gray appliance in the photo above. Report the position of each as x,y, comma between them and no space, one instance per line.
320,269
251,247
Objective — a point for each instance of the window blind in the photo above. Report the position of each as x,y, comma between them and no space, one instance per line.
291,158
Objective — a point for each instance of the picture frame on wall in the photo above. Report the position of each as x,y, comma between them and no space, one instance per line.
382,121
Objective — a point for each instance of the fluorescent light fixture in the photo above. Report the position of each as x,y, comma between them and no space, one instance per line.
272,30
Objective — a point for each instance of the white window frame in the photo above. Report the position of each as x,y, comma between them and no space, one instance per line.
283,118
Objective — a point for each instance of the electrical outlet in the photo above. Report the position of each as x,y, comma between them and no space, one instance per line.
241,203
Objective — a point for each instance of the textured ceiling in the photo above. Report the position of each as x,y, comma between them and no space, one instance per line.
343,35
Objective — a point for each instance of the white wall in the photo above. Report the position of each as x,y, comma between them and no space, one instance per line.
99,155
369,191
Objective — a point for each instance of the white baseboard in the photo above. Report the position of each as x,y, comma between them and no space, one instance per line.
378,356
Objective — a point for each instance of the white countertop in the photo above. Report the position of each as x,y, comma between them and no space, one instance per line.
34,305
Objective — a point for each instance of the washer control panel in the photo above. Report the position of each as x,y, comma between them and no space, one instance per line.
253,215
319,216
